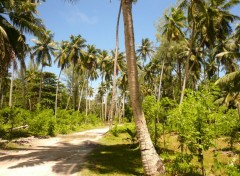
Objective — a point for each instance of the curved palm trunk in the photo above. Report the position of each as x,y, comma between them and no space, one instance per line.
115,70
152,164
11,87
56,99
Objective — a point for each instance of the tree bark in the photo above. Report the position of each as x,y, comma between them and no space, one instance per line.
40,86
115,70
80,96
23,84
187,70
11,87
56,99
106,104
160,82
152,164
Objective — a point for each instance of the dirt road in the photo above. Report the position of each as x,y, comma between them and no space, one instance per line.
58,156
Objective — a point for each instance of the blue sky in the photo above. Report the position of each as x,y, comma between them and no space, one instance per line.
95,20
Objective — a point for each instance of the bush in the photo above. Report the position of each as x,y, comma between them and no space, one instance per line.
40,125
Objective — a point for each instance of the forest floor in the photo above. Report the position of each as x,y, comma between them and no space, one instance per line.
63,155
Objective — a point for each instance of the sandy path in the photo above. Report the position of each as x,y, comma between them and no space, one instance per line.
61,156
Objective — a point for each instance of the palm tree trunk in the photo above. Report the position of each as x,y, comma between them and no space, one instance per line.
80,96
11,87
160,82
72,88
187,70
1,93
56,99
23,84
86,110
106,104
115,70
123,105
152,164
102,114
238,108
40,86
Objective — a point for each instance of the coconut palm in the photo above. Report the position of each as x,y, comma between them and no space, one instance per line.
152,164
90,63
63,62
43,51
145,50
16,18
75,55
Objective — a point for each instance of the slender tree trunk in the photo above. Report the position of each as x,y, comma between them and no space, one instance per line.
106,104
2,98
152,164
115,70
23,84
179,74
68,101
102,114
56,99
11,87
238,108
1,92
187,70
80,96
86,99
40,86
123,105
30,104
73,88
160,82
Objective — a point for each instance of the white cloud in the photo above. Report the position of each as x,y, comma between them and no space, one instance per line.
81,17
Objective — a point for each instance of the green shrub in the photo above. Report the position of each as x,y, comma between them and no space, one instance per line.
39,125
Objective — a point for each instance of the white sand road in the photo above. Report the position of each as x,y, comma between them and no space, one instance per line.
59,156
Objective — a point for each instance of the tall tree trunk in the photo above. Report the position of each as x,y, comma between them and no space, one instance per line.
238,108
115,70
152,164
1,92
80,96
73,87
123,105
23,84
187,70
102,114
40,86
56,99
160,82
11,87
106,104
86,110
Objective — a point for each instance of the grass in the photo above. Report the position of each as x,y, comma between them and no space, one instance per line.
115,156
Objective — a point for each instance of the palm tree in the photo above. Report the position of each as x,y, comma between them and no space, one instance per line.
90,63
145,50
16,18
152,164
43,50
230,86
63,62
74,55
